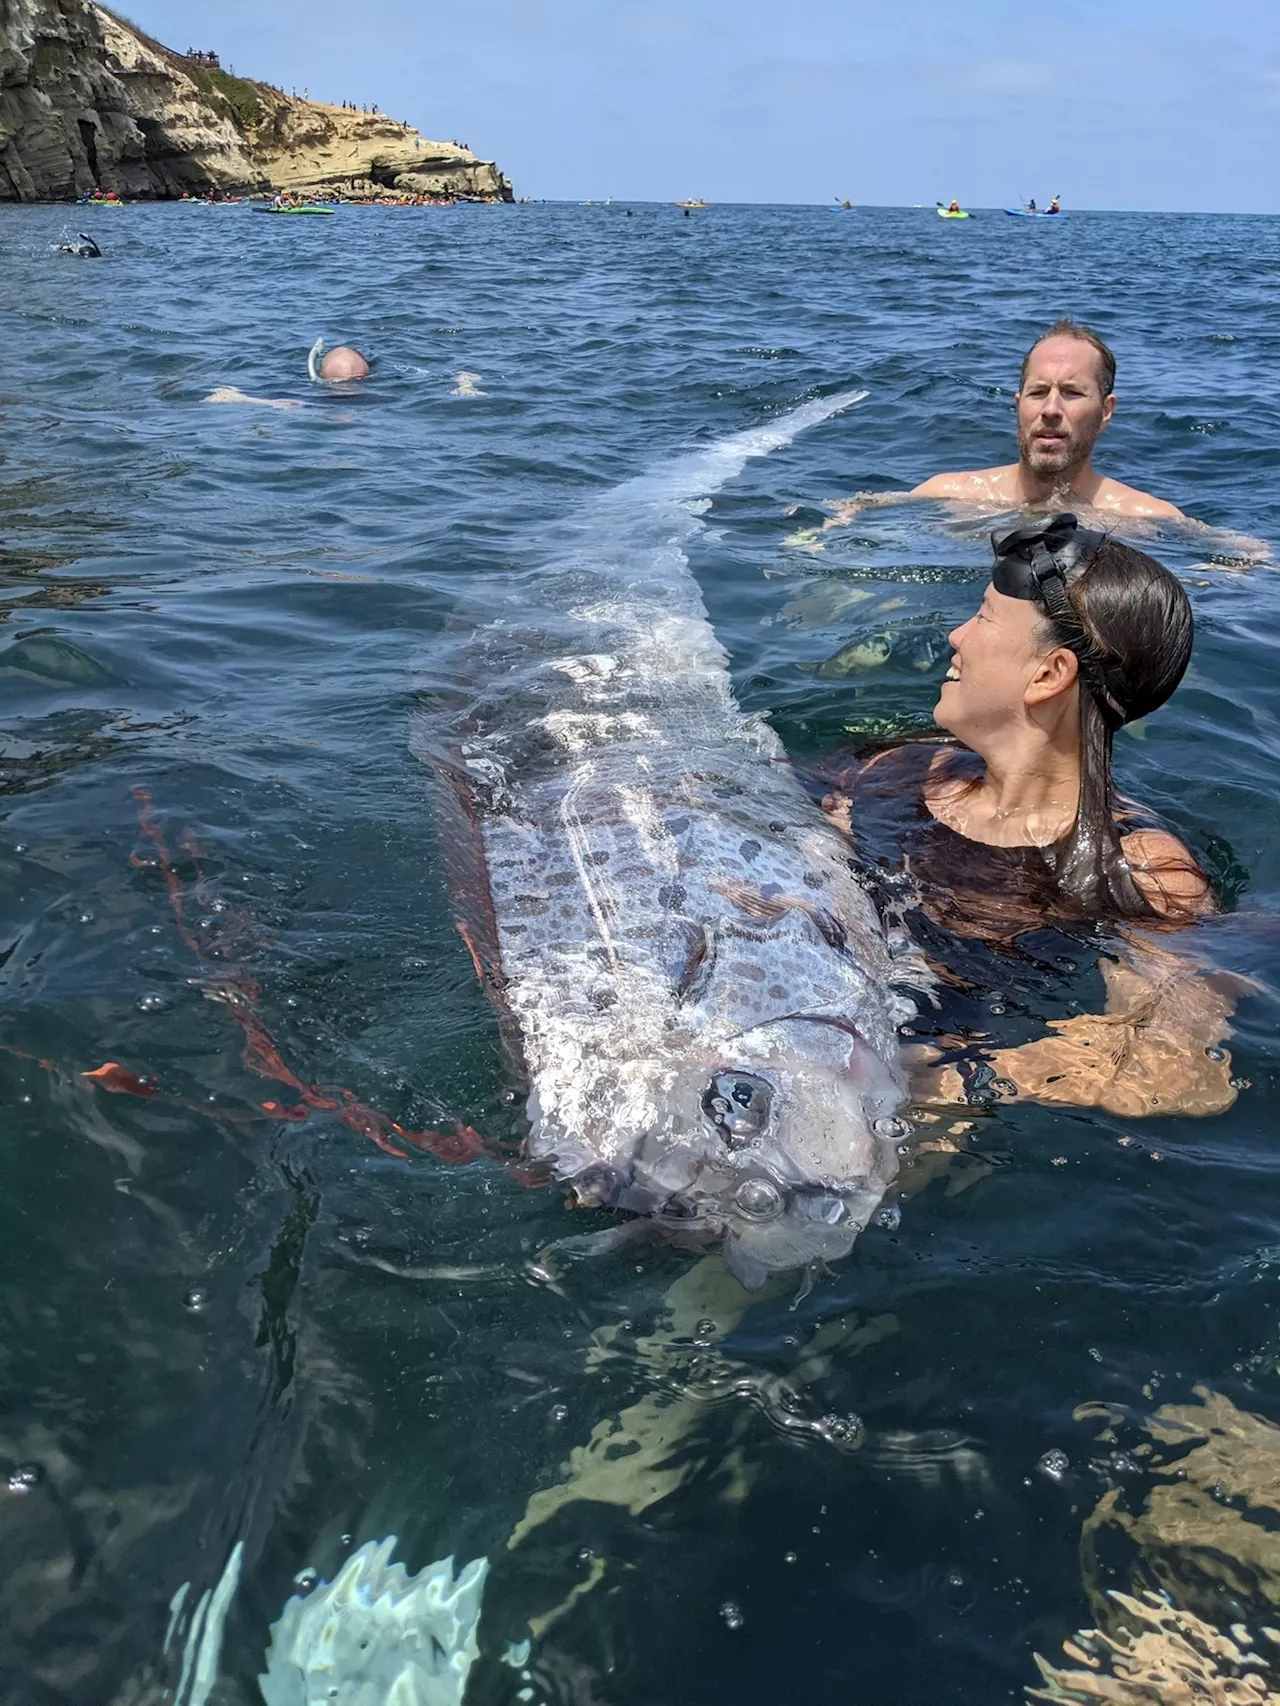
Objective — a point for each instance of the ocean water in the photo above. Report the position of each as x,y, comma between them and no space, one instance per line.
227,1310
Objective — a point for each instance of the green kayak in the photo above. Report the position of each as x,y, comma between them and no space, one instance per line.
304,209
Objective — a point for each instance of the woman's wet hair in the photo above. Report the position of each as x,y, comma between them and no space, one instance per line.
1129,623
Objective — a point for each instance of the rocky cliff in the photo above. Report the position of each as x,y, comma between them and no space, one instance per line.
86,99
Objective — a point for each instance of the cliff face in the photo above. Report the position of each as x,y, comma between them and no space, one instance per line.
86,100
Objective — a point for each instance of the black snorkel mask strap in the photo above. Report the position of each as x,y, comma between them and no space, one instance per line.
1037,563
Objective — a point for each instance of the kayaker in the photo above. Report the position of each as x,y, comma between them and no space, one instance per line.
1031,205
1055,206
1065,398
954,207
1015,826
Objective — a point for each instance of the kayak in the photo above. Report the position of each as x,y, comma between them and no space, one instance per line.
842,210
308,209
1026,213
946,213
99,201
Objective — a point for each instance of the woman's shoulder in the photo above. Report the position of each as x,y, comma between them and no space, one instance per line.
1166,872
919,761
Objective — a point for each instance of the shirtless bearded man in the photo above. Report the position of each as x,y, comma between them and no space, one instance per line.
1064,400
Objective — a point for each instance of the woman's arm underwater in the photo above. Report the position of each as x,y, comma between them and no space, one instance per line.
1155,1047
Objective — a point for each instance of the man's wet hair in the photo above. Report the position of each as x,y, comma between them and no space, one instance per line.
1082,334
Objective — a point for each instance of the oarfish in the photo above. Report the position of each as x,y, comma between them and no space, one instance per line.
704,995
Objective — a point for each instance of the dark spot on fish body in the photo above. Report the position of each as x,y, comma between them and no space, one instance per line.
558,879
568,912
599,858
746,970
603,999
677,825
814,879
528,906
750,850
672,895
777,827
777,992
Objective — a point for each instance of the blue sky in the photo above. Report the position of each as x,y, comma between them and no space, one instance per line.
1162,104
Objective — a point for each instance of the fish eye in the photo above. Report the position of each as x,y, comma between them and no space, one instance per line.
738,1104
758,1199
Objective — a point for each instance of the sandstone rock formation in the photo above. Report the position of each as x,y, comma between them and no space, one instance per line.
86,99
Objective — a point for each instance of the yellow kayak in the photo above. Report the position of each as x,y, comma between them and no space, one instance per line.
948,213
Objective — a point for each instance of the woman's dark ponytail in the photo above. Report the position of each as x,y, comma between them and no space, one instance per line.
1130,626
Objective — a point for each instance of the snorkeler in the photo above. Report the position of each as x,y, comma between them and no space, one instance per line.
333,366
330,368
1064,400
1015,826
84,248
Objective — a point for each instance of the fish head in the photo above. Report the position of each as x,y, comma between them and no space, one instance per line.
798,1144
768,1117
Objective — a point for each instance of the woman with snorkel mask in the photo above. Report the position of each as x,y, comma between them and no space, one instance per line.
1015,826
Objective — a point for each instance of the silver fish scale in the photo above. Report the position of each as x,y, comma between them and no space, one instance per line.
683,940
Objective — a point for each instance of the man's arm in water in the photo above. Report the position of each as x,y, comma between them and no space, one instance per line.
977,486
232,394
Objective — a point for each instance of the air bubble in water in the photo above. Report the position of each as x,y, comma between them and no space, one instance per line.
197,1298
306,1579
1055,1464
788,1557
152,1003
842,1430
705,1330
1215,1053
890,1127
25,1477
731,1615
559,1412
890,1216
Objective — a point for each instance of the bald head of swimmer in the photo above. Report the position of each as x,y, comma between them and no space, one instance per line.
342,363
